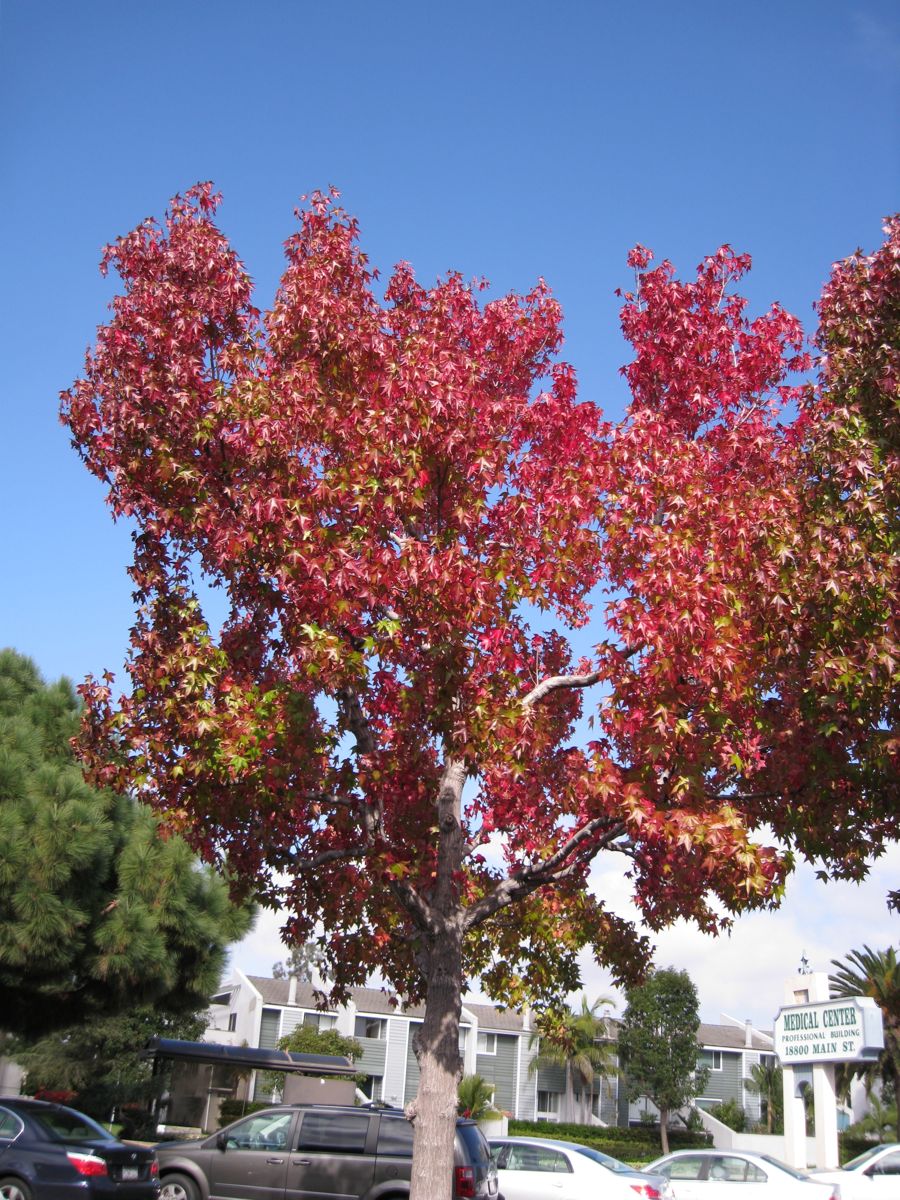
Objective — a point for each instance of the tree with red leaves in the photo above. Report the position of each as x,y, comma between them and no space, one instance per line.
410,515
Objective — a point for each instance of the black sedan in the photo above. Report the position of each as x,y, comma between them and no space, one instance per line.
51,1152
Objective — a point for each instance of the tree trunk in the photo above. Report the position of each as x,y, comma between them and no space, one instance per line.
433,1111
570,1096
664,1129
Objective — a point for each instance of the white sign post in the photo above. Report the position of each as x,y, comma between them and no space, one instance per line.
811,1035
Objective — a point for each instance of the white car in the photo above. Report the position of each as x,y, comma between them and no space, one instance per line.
737,1175
874,1175
549,1169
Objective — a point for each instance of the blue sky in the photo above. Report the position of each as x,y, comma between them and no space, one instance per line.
506,140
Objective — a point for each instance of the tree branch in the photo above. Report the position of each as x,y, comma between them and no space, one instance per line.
555,682
327,856
580,847
356,720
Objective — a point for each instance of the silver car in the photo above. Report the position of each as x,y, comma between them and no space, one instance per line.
531,1168
714,1175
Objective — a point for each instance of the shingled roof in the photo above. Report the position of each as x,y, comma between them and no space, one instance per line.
733,1037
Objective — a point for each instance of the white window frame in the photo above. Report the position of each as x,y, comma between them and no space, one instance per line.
380,1022
486,1044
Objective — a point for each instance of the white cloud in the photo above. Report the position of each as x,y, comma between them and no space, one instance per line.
744,973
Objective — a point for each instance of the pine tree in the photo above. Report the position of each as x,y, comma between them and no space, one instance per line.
98,911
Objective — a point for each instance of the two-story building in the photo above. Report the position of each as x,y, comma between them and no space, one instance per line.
498,1045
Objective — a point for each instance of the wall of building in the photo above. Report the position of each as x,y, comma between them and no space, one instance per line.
390,1061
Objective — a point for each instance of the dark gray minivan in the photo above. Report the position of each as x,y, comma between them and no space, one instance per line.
316,1152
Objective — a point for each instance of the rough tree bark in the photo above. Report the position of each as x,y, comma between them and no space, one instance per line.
437,1042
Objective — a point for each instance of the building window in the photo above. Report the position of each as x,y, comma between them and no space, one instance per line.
487,1043
320,1021
547,1106
373,1087
717,1060
371,1027
270,1028
232,1022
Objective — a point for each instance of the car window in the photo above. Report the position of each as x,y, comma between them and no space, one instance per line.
889,1165
10,1125
689,1167
731,1169
395,1136
67,1125
781,1166
522,1157
344,1132
605,1160
475,1142
861,1159
263,1131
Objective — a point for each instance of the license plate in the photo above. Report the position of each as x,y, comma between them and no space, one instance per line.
130,1173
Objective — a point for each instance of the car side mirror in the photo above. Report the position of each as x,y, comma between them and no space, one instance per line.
221,1141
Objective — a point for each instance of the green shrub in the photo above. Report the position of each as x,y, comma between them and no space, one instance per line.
637,1145
730,1113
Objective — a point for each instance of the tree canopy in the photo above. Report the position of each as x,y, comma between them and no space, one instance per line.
430,550
658,1044
98,911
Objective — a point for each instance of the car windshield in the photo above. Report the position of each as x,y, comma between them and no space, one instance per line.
776,1162
605,1160
67,1125
862,1159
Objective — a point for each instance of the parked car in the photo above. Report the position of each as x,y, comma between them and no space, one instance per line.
711,1175
52,1152
873,1175
299,1151
539,1168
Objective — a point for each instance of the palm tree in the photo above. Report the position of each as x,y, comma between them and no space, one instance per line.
767,1081
575,1042
875,973
475,1097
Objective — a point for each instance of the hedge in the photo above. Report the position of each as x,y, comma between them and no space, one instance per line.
851,1145
631,1144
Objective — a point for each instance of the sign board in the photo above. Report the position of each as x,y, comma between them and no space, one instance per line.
846,1030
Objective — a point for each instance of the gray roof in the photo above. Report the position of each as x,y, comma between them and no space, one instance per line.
501,1020
733,1037
375,1002
367,1000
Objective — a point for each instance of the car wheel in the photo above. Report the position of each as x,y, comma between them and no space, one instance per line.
178,1187
14,1189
